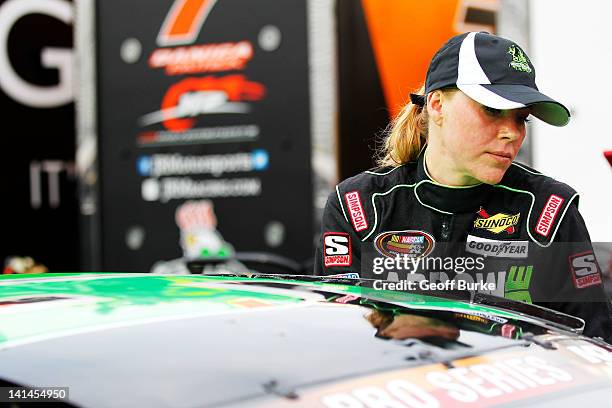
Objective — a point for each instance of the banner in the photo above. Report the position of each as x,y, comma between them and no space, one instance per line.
204,130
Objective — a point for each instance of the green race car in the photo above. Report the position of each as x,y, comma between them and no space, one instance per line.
147,340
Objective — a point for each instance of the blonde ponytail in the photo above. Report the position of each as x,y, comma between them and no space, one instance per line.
406,135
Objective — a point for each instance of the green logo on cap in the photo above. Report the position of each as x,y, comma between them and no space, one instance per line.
519,61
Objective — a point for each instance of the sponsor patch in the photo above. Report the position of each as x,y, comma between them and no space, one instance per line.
349,275
508,330
549,213
413,243
518,282
495,248
489,316
353,201
497,223
585,271
346,299
473,318
337,249
480,317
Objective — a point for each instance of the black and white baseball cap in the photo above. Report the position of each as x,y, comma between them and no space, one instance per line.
494,72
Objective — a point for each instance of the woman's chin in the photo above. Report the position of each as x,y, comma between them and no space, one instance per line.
490,175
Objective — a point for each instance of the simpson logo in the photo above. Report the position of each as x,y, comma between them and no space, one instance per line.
409,242
498,249
549,213
497,223
337,249
353,200
585,271
208,95
184,22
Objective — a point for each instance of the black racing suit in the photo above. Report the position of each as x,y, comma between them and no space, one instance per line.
526,229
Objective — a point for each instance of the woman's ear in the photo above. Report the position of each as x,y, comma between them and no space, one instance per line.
435,100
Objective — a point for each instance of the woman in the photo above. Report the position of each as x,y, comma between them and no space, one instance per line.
448,185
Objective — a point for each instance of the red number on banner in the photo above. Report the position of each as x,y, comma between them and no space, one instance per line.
184,21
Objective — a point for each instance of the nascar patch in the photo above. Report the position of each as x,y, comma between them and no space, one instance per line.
358,218
496,248
412,243
584,269
497,223
549,213
337,249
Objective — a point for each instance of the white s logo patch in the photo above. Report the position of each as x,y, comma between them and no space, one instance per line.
336,245
584,265
337,249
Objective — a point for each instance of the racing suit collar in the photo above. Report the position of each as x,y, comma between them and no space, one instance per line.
448,199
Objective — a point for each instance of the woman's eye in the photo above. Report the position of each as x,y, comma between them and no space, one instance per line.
523,119
492,111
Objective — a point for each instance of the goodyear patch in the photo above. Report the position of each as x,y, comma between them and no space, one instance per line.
497,248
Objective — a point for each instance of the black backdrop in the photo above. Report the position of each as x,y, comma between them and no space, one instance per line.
274,133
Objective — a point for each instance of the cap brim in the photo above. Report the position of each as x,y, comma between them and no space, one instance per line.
519,96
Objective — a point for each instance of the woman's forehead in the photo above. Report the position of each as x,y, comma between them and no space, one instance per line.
520,111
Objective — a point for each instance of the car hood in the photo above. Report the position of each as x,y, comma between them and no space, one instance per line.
151,340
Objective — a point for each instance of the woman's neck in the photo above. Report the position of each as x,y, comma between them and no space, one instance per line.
441,168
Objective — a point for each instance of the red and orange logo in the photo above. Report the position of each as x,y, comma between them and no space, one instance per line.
192,97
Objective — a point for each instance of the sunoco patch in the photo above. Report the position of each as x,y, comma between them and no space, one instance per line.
497,223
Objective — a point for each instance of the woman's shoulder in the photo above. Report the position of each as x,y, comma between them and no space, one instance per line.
524,178
380,179
550,200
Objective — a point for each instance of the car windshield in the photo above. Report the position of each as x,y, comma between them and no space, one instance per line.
254,264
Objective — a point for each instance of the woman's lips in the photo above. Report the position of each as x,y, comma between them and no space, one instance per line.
501,157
